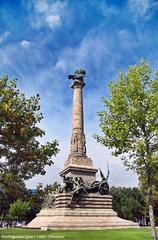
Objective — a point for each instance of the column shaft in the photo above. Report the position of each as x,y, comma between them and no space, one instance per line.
78,142
77,113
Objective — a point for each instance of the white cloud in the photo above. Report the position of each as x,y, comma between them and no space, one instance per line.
94,51
49,14
127,39
142,8
4,36
53,20
61,64
58,7
41,6
106,10
25,44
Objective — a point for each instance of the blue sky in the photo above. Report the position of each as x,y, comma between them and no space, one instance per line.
42,41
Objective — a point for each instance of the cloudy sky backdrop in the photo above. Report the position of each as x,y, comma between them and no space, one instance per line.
42,41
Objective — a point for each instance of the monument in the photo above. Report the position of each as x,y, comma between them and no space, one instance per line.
81,202
78,164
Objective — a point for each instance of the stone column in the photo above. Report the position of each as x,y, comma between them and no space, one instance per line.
78,142
78,164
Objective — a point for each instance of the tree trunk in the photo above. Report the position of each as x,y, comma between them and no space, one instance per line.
151,214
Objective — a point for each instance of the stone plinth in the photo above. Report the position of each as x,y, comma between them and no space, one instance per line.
92,212
80,166
88,174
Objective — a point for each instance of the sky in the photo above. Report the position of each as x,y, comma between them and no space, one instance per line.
42,41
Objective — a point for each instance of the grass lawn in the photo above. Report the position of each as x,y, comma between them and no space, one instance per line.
109,234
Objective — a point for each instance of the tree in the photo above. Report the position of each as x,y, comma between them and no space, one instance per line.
130,124
18,210
13,188
36,198
21,153
129,203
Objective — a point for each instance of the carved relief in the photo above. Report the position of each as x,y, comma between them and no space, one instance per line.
78,143
84,143
74,143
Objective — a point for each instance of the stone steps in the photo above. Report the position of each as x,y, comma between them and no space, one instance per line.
92,212
90,201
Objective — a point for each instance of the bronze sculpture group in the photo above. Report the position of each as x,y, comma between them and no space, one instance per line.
78,188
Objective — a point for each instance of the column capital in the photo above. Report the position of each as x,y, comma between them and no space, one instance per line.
78,84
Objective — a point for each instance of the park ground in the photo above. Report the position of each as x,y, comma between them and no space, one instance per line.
109,234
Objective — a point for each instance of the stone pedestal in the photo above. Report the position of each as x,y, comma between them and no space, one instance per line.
80,166
92,212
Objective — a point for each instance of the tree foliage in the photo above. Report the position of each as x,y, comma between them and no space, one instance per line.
14,188
36,198
21,153
130,123
129,203
18,210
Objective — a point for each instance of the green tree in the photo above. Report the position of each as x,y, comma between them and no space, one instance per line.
129,203
14,188
36,198
18,210
130,124
21,153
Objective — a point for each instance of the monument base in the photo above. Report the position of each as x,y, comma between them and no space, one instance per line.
79,166
92,212
88,174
